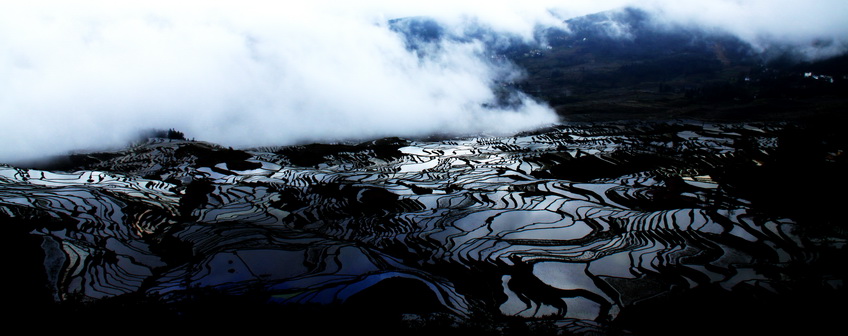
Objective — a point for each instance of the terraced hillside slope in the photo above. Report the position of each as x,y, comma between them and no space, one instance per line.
579,228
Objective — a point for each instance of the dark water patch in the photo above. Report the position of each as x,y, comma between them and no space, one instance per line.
68,162
313,154
746,310
209,156
196,195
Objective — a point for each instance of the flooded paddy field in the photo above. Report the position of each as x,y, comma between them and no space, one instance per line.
596,228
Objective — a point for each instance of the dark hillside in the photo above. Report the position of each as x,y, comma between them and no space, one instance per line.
619,65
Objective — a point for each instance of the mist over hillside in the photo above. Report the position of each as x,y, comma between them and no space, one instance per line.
92,75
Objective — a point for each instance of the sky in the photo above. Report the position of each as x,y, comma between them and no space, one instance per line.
91,75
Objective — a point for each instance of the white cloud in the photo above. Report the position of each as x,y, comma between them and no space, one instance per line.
77,77
89,74
802,25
